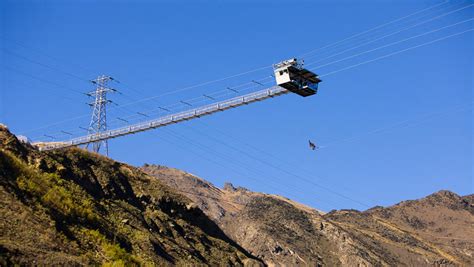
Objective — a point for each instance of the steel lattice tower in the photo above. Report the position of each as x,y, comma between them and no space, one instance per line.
98,122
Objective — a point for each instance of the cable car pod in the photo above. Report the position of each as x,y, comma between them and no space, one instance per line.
291,75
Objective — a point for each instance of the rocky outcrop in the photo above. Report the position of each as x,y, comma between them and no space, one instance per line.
436,230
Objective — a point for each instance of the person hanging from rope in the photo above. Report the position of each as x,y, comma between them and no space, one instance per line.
312,145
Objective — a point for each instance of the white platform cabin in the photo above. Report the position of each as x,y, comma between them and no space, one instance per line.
291,75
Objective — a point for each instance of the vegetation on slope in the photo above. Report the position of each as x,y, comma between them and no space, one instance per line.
76,207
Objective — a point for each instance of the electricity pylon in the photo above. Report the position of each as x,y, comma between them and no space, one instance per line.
99,111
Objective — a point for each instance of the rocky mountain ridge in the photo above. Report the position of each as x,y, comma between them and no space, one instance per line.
73,207
436,230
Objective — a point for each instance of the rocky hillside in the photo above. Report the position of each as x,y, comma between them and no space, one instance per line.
72,207
437,230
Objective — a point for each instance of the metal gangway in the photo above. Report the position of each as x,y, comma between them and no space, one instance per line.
169,119
289,75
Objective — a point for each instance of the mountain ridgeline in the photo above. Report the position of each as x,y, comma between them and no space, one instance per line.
433,231
73,207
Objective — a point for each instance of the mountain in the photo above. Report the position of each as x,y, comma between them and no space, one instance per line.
73,207
436,230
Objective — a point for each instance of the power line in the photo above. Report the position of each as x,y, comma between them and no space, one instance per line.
53,68
16,85
220,200
229,159
44,65
292,165
42,80
282,170
372,29
391,44
394,53
234,161
391,34
364,39
199,155
57,69
400,123
44,54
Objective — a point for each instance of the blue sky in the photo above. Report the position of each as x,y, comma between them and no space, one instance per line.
395,128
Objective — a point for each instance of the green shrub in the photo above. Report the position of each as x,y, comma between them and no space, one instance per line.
54,192
113,253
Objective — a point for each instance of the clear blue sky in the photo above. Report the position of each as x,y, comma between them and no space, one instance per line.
392,129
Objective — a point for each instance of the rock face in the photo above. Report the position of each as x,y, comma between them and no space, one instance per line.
72,207
436,230
439,225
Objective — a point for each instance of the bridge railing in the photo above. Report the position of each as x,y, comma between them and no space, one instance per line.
172,118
